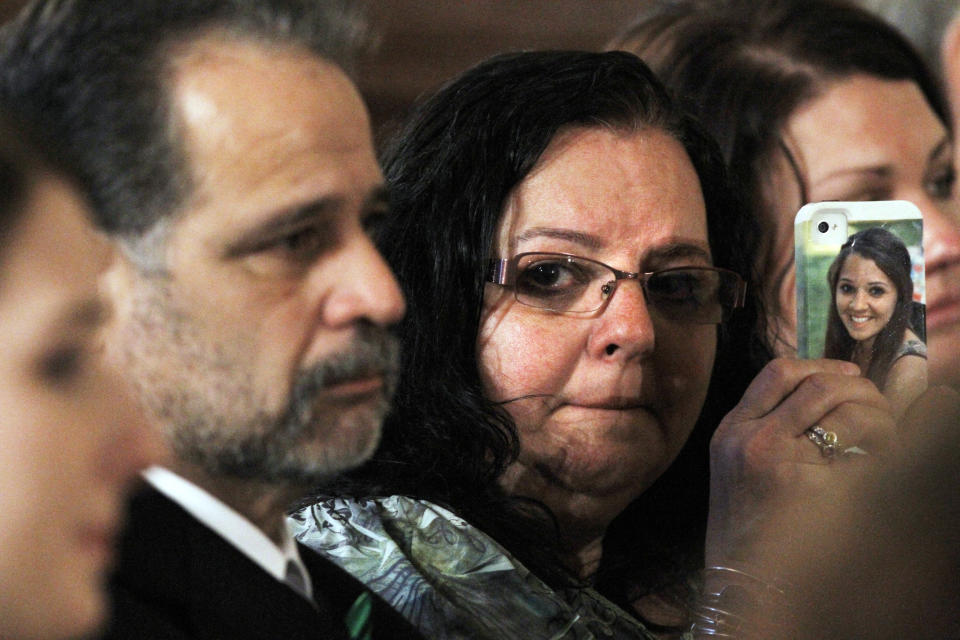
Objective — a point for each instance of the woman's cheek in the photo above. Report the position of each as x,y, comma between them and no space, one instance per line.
686,355
521,356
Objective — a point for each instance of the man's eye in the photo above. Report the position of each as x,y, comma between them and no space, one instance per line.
304,244
374,221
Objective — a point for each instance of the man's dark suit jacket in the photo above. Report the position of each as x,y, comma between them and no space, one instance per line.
176,579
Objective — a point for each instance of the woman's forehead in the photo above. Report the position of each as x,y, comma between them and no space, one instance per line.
610,185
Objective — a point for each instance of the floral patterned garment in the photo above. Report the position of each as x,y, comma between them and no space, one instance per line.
448,578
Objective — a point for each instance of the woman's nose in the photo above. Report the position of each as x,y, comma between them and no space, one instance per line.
859,301
941,235
624,329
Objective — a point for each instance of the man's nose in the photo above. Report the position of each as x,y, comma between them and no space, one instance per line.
362,288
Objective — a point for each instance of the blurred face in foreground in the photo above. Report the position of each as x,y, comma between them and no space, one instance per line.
70,441
603,401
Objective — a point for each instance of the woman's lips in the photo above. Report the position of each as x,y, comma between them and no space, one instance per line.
616,411
610,406
943,296
857,321
944,312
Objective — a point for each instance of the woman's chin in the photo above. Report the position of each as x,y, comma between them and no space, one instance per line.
585,472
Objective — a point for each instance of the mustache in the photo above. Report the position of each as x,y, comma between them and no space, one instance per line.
374,352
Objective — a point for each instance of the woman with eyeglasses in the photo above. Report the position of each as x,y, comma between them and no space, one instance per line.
578,326
70,440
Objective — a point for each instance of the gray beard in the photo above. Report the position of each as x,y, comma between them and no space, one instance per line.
271,448
204,395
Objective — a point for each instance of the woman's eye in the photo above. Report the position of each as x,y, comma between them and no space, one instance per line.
61,366
869,193
545,275
846,288
942,183
877,292
551,277
679,286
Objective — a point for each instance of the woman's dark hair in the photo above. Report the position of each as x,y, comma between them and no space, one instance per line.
745,66
450,171
14,184
24,158
890,255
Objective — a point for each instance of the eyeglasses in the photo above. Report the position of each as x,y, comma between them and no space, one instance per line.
565,283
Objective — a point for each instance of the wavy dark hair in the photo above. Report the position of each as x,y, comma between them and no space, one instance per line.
890,255
450,171
744,67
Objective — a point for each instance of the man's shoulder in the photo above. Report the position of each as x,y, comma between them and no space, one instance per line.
149,586
175,578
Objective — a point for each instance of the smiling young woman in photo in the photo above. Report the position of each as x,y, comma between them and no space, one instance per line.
868,324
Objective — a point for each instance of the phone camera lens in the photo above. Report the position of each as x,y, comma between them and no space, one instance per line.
823,227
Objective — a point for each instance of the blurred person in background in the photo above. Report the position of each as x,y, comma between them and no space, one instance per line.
950,52
923,22
71,440
816,100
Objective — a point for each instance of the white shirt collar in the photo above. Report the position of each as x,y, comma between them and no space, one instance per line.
245,536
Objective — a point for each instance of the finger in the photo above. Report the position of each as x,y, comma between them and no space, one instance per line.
818,395
871,430
780,378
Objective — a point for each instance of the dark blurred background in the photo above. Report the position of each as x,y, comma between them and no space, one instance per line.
421,43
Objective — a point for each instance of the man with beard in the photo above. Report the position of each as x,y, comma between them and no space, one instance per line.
228,154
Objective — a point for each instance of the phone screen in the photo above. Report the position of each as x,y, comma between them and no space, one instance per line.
861,290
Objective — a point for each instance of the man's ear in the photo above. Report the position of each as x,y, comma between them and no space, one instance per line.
117,282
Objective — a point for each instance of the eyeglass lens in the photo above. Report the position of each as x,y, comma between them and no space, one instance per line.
578,285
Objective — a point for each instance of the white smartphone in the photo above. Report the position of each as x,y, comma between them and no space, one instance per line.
861,289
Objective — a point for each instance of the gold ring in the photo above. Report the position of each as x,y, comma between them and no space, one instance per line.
827,441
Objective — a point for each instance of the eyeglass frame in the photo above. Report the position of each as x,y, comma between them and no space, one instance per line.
503,272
